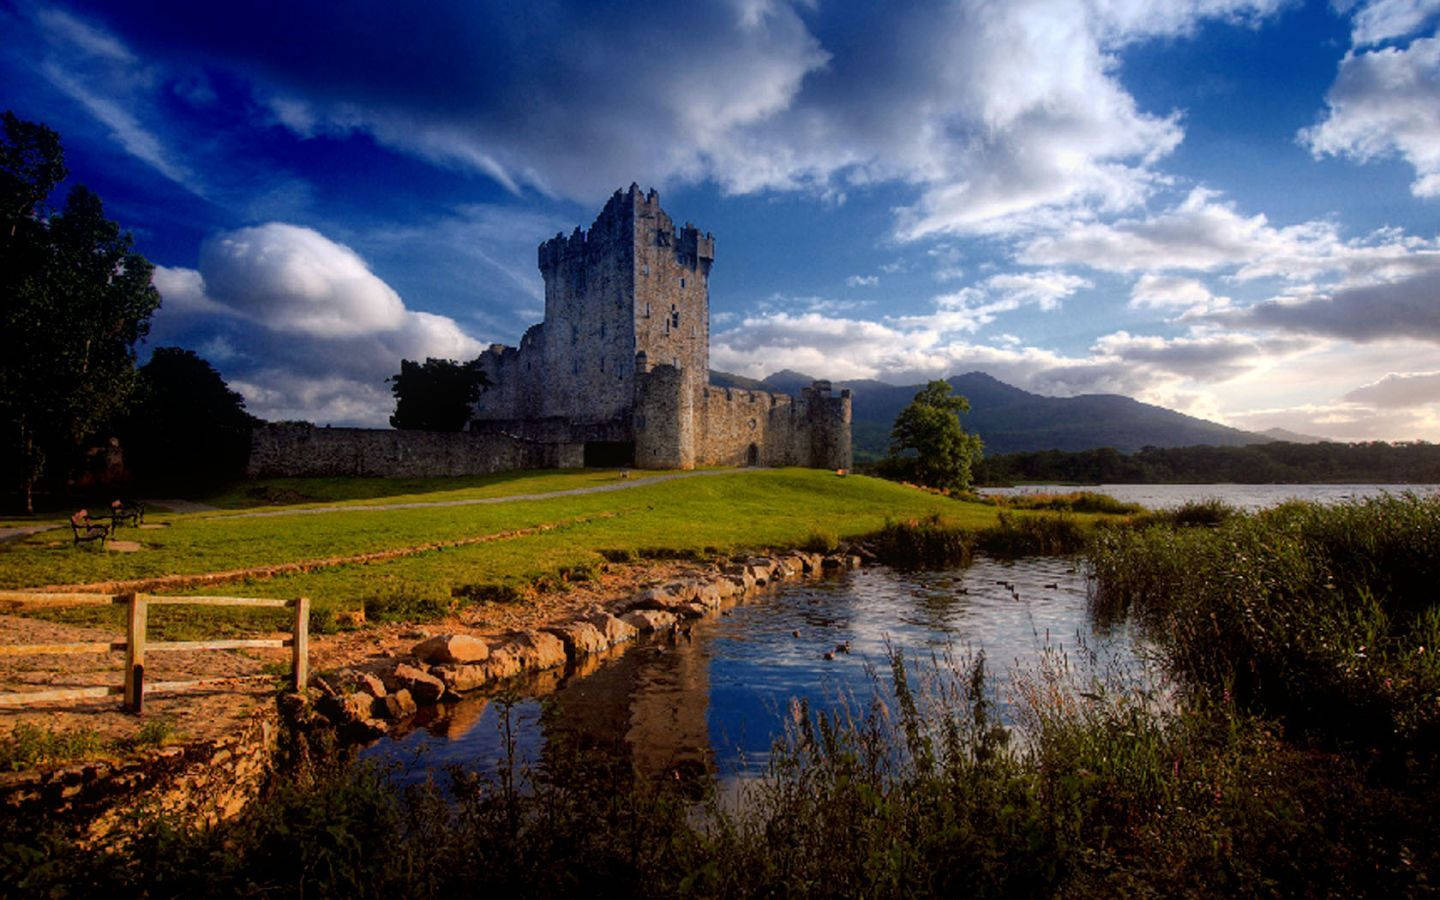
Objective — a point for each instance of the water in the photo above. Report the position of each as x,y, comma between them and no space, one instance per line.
713,704
1243,496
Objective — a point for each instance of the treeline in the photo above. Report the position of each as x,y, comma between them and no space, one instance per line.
1275,463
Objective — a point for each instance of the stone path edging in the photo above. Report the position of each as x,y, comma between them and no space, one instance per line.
445,667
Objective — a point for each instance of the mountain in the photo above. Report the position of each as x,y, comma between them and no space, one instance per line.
1011,420
1292,437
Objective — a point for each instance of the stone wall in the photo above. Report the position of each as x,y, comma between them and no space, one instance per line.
199,783
738,427
300,450
664,420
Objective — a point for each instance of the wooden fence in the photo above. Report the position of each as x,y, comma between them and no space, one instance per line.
135,645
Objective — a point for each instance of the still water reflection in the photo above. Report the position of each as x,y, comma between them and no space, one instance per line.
715,702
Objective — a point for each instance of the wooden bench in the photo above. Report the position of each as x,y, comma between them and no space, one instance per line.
122,511
85,530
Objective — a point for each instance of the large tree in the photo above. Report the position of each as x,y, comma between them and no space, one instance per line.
436,395
186,427
76,299
927,443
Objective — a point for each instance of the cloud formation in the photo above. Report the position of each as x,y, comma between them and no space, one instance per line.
303,328
998,115
1386,100
1399,390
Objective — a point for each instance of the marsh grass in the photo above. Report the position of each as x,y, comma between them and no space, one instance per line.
1322,617
916,790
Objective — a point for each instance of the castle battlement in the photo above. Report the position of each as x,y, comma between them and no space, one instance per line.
624,352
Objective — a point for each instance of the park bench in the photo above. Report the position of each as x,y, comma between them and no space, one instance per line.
122,511
84,529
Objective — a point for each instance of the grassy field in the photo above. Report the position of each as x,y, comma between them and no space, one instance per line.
724,512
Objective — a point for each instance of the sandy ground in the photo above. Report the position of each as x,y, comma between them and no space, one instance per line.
216,711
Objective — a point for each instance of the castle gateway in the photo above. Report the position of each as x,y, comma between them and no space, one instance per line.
618,373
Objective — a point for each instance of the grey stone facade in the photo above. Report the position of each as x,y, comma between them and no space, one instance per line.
623,356
617,374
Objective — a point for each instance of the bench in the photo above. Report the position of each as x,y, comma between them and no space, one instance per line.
122,511
85,530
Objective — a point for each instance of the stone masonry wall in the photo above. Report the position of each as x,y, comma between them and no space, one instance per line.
287,450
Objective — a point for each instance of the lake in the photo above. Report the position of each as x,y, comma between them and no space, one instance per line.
1243,496
714,703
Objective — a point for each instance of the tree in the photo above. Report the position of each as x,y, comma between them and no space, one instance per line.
927,443
436,395
186,426
76,299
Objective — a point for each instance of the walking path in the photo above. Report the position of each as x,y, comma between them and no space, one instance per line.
476,501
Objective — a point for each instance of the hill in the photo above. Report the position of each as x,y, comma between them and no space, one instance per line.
1012,420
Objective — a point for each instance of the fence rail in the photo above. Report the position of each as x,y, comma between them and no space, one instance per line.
136,645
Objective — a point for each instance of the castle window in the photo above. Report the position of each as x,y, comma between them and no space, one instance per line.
574,335
575,367
647,310
602,363
645,269
682,281
602,329
674,316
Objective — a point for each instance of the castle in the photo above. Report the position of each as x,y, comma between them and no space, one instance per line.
619,369
616,375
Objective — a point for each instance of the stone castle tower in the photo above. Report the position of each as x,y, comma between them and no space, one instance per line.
620,366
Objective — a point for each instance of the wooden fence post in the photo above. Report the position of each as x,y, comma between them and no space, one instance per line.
300,646
135,653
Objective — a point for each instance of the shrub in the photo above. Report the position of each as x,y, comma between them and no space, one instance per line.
1032,535
489,593
820,542
924,544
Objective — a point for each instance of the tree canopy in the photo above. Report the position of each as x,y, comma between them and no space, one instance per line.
436,395
77,298
927,444
186,426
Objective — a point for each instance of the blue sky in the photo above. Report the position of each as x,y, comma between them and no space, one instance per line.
1228,207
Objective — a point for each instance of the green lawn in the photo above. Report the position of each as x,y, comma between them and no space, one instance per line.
729,511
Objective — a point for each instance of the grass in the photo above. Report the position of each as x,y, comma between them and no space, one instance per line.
1324,618
685,518
29,746
918,791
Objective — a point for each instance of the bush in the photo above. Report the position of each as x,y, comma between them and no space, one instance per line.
489,593
924,544
820,542
1033,535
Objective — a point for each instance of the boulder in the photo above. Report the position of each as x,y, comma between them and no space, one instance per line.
833,563
535,650
451,648
369,684
461,678
424,687
612,629
647,620
708,596
580,638
394,706
346,709
724,587
760,568
501,665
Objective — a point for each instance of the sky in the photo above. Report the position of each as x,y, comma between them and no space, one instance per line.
1227,207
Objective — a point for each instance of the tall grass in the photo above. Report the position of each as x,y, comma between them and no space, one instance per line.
1323,617
918,790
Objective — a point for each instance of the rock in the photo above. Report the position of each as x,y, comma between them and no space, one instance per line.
612,629
853,561
346,709
724,586
394,706
741,577
648,620
414,634
462,677
580,638
451,648
424,687
501,665
760,568
535,650
350,618
708,596
369,684
832,563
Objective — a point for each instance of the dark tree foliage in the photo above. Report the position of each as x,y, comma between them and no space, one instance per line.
76,297
927,444
436,395
186,427
1375,462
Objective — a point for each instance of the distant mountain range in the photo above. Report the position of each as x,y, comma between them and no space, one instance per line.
1011,420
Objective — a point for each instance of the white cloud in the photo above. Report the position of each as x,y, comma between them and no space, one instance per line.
1387,100
1382,20
862,281
1170,292
305,328
1399,390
